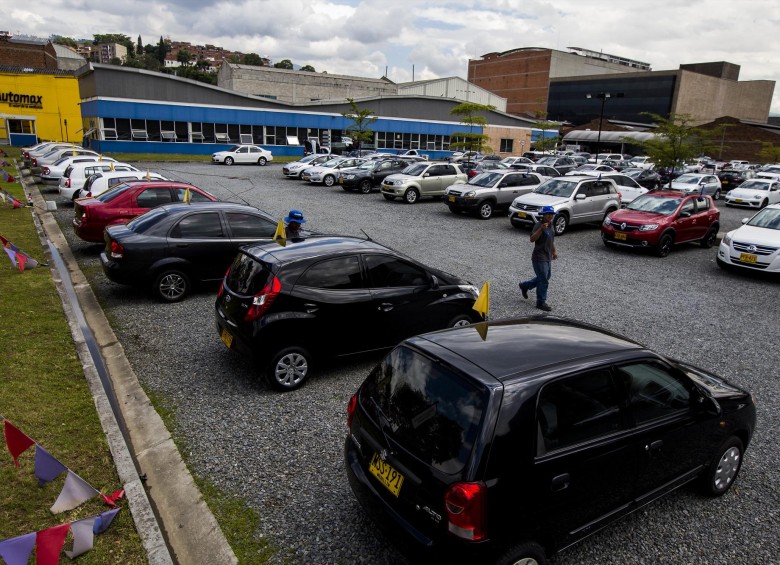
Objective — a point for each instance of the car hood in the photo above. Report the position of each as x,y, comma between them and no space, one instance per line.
747,193
536,199
400,176
687,187
221,153
635,216
756,235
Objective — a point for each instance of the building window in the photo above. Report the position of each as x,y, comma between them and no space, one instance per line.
506,146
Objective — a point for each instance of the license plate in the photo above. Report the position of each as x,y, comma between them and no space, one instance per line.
521,214
227,338
620,236
305,177
748,257
341,180
386,474
738,200
452,199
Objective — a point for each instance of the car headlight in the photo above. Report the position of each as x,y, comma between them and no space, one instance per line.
470,194
757,197
727,239
349,177
607,221
648,227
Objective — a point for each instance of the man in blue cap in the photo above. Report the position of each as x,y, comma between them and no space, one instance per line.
543,238
292,224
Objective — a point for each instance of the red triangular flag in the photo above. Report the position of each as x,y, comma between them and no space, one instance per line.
21,258
17,441
112,498
48,544
11,178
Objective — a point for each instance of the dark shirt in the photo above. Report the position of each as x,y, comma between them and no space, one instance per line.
293,231
543,247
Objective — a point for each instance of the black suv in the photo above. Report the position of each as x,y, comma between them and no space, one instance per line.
287,307
370,174
507,441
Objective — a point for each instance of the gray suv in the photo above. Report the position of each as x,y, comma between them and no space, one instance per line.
490,191
576,199
422,179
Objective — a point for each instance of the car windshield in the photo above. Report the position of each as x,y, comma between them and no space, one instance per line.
109,195
234,149
755,185
425,406
766,218
485,179
332,162
547,161
415,170
557,187
665,205
687,179
632,173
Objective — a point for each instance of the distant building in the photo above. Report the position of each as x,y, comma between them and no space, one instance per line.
109,51
453,87
68,59
29,53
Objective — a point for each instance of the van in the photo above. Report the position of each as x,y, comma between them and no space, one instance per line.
101,182
77,174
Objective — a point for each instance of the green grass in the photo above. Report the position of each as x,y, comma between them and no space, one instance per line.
43,392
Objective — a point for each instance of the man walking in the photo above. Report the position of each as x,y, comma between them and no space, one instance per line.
543,238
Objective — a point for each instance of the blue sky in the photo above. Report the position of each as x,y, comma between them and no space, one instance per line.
432,38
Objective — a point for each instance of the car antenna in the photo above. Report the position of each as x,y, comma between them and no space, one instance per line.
234,194
368,237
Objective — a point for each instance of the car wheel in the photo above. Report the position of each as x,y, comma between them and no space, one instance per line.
720,475
289,368
228,161
388,197
262,161
764,204
709,239
664,245
172,286
460,321
560,223
329,180
716,196
411,196
365,186
485,210
523,554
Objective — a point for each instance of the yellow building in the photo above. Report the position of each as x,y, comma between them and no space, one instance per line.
39,104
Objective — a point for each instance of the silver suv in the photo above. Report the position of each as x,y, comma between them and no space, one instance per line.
490,191
422,179
576,199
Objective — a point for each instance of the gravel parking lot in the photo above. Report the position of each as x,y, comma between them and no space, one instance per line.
283,452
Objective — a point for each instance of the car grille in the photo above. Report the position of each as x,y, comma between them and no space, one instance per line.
455,193
527,207
286,170
623,227
754,249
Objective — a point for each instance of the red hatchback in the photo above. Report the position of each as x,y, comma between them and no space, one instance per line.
126,201
661,219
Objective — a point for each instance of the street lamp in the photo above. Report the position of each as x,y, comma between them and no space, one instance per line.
604,97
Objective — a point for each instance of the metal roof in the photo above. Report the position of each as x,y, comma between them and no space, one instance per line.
614,136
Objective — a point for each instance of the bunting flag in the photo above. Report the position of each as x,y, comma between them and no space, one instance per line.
100,157
2,195
48,544
7,177
19,258
16,440
187,195
47,467
3,153
112,166
112,498
148,176
75,492
74,149
14,203
482,330
482,303
280,236
16,551
83,536
3,163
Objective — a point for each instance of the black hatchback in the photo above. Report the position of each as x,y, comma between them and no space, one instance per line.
330,296
505,442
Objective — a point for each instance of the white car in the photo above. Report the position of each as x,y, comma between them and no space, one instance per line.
695,182
509,161
329,171
294,169
243,154
43,148
642,162
53,173
77,175
770,172
755,193
754,246
588,168
101,182
56,154
627,187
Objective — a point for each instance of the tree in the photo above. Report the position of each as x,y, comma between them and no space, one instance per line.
115,61
119,38
769,152
252,59
545,142
469,115
308,68
65,41
184,57
202,65
359,131
139,49
284,64
162,50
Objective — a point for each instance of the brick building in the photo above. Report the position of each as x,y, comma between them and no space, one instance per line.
27,53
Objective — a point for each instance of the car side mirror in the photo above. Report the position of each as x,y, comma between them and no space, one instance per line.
426,175
685,214
580,196
745,220
434,282
709,405
502,185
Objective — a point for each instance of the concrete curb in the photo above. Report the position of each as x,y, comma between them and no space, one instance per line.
192,532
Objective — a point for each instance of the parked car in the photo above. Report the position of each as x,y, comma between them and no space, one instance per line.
754,193
642,162
755,246
505,442
576,200
644,177
296,168
627,187
98,183
328,172
76,176
428,178
126,201
691,183
276,303
509,161
668,174
659,220
369,175
473,169
561,164
43,148
545,171
171,248
463,156
52,174
597,159
490,191
591,168
616,164
56,154
769,172
243,154
729,178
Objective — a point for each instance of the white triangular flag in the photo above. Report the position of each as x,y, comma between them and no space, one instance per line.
83,536
75,492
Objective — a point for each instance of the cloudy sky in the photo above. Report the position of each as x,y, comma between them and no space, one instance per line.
425,39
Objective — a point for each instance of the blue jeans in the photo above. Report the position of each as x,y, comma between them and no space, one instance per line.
543,271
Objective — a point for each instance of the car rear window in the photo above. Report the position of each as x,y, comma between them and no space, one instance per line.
431,410
247,276
109,195
143,222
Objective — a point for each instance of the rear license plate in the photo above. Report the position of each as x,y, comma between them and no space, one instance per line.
521,214
386,474
748,258
620,236
452,199
227,338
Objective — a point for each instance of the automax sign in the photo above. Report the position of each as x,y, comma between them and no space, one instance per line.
15,100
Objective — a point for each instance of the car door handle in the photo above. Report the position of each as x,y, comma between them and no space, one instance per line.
310,308
654,446
560,482
385,307
182,245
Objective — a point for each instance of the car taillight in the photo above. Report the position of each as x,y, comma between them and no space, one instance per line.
117,251
351,405
46,170
222,284
466,510
262,300
67,183
35,162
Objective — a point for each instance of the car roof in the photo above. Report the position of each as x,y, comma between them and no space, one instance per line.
508,348
312,246
177,207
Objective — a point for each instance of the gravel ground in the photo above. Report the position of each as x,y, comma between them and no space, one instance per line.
283,452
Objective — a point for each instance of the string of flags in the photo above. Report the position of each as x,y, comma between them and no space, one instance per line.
482,306
19,258
7,177
10,199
